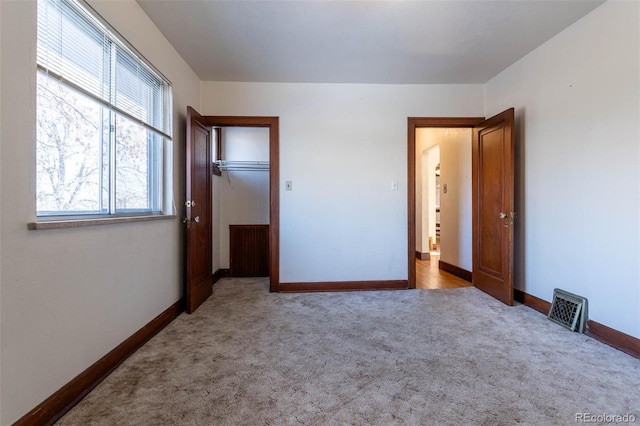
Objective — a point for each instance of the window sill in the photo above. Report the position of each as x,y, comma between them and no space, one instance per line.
77,223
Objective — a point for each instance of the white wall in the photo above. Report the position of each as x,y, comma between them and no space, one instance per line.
456,204
341,145
577,101
456,232
245,143
69,296
244,195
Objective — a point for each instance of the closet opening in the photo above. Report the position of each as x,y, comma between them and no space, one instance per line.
203,175
241,215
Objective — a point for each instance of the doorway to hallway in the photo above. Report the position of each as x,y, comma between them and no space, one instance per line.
492,176
430,276
443,207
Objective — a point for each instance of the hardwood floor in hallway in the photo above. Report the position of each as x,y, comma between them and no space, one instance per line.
428,275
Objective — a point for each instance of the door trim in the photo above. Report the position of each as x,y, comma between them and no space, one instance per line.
413,124
273,124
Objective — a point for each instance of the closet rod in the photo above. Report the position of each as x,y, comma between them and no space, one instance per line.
243,165
260,163
255,169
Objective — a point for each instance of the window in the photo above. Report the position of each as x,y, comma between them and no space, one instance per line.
103,119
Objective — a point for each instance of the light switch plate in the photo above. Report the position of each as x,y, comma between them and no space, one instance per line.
288,186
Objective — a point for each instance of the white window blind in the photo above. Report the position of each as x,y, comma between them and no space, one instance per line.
104,118
77,49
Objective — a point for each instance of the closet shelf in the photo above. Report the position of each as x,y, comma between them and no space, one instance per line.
242,165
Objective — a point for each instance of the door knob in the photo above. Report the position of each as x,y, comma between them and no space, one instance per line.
196,219
510,215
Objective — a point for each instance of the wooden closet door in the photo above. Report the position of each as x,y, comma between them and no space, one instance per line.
198,211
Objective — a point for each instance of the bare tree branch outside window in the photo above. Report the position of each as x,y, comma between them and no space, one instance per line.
103,116
73,154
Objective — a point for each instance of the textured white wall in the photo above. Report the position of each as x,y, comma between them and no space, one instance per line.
456,204
341,145
244,195
577,101
69,296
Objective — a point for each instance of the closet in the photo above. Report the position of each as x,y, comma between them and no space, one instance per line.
242,201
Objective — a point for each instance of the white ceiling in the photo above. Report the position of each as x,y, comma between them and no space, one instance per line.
386,42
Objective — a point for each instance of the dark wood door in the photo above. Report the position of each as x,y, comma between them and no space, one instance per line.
198,211
493,206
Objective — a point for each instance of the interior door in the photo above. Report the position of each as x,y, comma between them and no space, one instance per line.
198,211
493,206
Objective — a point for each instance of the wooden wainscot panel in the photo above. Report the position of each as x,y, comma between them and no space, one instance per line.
249,250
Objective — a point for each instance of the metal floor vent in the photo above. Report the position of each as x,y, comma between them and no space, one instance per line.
568,310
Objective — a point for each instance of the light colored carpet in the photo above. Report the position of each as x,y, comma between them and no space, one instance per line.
417,357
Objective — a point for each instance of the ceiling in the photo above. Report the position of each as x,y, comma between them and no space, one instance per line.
385,42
